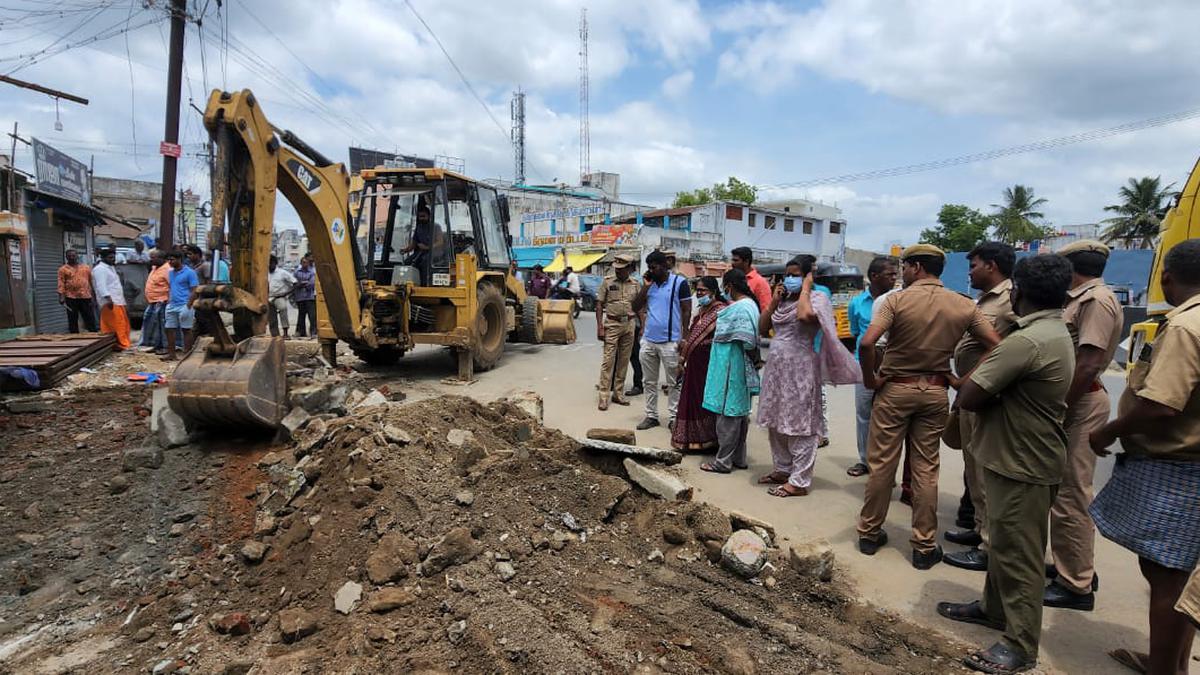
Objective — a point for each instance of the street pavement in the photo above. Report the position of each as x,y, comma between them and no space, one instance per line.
565,376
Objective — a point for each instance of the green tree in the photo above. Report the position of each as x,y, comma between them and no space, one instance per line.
732,190
959,228
1140,212
1016,219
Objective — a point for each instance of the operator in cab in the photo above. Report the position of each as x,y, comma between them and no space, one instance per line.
419,247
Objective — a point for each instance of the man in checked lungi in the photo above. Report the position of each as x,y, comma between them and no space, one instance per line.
1151,505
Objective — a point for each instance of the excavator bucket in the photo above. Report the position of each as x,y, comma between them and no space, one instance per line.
248,388
558,322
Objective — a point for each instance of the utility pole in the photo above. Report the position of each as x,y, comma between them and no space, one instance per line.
166,220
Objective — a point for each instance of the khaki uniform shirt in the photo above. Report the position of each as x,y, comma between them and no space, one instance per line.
1020,433
924,322
1168,372
617,298
1094,317
996,305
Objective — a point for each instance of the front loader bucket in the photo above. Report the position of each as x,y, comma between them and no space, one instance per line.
246,389
558,323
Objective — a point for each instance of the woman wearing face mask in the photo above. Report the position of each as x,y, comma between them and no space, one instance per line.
696,428
790,406
732,376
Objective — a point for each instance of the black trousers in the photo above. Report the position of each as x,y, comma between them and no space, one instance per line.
307,309
78,308
635,359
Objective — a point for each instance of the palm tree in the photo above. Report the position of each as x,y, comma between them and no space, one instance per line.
1139,213
1015,217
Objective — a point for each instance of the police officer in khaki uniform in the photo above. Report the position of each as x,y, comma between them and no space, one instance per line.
1150,506
615,325
1095,319
1018,391
991,266
924,323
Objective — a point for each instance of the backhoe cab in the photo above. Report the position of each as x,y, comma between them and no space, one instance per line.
437,242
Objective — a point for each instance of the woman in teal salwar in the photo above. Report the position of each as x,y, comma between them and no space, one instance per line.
732,374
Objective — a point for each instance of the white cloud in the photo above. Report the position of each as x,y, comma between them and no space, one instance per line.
1073,58
678,84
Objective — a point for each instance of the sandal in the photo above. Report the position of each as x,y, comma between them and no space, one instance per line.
713,468
999,658
773,478
857,470
788,490
968,612
1138,662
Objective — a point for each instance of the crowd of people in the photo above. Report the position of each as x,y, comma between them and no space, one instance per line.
169,323
1031,415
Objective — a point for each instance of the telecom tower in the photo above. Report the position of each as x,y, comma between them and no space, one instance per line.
585,133
518,136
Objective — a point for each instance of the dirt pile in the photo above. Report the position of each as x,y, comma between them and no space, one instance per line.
446,536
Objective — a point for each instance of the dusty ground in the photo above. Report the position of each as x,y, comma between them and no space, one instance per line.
109,570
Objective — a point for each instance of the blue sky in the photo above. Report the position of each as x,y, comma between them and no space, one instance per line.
683,93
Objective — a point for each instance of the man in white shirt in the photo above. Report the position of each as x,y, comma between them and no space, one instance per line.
279,287
110,295
572,281
139,254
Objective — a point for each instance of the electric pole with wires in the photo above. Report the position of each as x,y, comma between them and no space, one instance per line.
169,148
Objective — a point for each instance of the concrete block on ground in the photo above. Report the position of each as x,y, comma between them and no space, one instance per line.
530,402
744,553
744,521
638,451
158,401
658,483
813,559
172,432
626,436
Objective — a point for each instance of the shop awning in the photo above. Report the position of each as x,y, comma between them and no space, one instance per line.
528,256
578,261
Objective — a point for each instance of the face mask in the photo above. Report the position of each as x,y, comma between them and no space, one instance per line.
726,297
793,284
703,300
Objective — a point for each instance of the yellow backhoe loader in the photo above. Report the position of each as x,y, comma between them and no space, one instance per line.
421,259
1181,223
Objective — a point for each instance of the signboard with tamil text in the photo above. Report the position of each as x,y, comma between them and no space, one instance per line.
60,175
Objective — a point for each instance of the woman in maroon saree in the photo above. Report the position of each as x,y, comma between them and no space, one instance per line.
695,428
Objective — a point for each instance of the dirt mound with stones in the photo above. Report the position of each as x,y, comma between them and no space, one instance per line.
446,536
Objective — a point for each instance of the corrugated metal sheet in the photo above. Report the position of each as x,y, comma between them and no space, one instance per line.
54,357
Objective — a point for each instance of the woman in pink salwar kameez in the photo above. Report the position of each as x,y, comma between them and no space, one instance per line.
805,353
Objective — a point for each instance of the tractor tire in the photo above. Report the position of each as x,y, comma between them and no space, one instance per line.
530,330
490,329
386,355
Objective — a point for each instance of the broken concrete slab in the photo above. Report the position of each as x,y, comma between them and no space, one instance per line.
314,398
530,402
293,422
172,431
744,521
744,553
658,483
813,559
347,597
158,401
641,452
374,398
625,436
142,457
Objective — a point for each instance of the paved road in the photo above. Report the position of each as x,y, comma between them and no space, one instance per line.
1073,642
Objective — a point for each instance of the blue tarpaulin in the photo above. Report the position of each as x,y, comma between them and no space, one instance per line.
1125,268
528,256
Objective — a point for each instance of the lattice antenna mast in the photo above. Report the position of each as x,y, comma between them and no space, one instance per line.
518,136
585,133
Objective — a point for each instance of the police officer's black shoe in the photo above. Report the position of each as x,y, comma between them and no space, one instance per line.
633,391
1056,595
973,559
964,537
1052,574
648,423
924,561
869,545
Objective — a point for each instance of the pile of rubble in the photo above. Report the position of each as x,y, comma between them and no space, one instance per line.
446,534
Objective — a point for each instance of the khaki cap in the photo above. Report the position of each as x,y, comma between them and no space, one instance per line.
922,249
1084,245
621,262
670,253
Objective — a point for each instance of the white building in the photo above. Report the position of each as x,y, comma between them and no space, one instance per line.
711,231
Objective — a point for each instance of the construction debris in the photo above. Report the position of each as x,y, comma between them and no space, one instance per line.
638,451
658,483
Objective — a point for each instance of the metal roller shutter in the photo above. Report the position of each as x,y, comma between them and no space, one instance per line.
49,316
